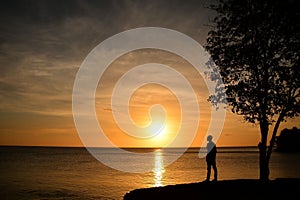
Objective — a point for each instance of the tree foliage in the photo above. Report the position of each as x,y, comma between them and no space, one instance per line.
255,47
288,140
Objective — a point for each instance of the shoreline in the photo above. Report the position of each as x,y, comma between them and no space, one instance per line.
233,189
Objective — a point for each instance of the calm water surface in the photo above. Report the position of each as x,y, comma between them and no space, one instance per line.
72,173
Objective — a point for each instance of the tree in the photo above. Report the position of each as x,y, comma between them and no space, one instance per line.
255,47
288,140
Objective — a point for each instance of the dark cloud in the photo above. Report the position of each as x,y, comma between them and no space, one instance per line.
43,42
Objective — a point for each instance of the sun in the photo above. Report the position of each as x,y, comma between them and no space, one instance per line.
162,136
158,129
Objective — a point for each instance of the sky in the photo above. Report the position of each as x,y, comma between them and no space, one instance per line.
44,43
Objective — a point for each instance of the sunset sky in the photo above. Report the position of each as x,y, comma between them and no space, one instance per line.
43,44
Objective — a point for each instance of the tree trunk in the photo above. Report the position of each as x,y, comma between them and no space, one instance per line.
263,162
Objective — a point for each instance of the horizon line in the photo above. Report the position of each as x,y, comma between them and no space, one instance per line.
53,146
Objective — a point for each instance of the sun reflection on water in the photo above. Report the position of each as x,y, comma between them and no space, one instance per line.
158,169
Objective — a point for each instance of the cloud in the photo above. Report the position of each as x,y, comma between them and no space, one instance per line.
43,43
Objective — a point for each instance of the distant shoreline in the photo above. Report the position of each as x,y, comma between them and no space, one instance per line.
225,189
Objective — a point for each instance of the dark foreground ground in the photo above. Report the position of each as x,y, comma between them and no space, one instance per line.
225,189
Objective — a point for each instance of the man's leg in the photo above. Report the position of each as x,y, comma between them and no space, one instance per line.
215,172
208,172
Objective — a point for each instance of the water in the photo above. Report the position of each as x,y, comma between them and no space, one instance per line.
72,173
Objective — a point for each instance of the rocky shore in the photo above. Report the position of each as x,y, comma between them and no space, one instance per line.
224,189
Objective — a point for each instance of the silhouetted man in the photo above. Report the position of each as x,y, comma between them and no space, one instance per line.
211,158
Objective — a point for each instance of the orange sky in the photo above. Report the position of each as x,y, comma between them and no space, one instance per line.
43,46
57,129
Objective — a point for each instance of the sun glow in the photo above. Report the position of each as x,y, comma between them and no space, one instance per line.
159,111
154,117
162,133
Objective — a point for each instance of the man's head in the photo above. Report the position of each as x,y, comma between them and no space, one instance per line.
209,138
